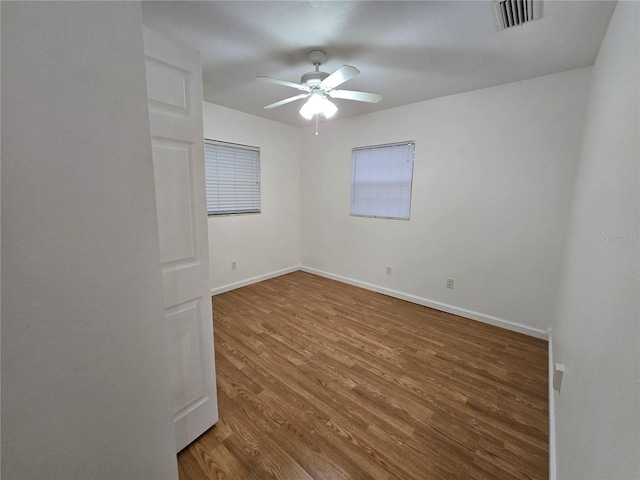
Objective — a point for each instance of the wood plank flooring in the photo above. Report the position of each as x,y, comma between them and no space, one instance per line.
322,380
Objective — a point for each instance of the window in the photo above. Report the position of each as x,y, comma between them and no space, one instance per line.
233,178
381,178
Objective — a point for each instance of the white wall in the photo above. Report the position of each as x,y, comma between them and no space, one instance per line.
596,333
491,190
268,243
84,361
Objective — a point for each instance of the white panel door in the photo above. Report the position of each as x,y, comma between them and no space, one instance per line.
174,84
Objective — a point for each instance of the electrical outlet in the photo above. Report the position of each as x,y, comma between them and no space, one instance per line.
388,270
450,283
233,265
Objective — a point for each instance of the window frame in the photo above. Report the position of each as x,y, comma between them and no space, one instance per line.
256,206
407,191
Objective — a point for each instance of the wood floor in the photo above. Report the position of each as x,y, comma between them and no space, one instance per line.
322,380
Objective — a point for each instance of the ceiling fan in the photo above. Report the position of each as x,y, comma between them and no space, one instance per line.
317,86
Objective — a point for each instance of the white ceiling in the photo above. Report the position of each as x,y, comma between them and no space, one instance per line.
407,51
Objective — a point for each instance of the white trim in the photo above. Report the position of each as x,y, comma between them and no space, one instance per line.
552,414
249,281
495,321
462,312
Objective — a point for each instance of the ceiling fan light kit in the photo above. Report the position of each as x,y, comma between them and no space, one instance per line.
318,103
318,85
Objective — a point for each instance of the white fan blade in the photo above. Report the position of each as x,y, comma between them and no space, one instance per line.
344,73
285,83
353,95
287,100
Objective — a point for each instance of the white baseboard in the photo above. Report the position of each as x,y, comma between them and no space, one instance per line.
552,414
249,281
495,321
498,322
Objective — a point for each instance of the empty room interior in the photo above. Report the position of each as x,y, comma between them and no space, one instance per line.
320,240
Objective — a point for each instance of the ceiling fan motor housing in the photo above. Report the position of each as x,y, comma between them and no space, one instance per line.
312,79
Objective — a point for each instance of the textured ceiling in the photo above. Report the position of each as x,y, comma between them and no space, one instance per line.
407,51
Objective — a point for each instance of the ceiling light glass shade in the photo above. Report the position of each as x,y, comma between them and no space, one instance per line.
316,104
328,108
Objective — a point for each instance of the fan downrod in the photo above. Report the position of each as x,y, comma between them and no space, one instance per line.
313,79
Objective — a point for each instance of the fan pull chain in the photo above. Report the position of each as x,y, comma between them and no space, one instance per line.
317,115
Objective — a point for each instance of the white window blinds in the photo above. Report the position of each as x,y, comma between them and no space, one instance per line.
232,177
381,180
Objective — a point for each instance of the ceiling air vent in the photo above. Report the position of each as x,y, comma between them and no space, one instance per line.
510,13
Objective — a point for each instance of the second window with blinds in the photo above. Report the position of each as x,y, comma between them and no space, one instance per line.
381,179
232,177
